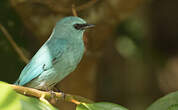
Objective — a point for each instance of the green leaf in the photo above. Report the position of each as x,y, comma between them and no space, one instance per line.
11,100
100,106
168,102
173,107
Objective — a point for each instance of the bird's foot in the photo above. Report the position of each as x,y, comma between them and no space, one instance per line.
58,90
53,97
53,94
42,98
63,95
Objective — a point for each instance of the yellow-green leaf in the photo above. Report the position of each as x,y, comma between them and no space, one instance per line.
168,102
100,106
11,100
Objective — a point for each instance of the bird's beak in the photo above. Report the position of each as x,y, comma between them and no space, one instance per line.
86,26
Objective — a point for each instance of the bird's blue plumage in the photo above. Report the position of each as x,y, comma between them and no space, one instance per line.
58,56
43,60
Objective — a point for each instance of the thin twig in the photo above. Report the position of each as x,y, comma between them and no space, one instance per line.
38,93
57,8
14,45
87,5
74,12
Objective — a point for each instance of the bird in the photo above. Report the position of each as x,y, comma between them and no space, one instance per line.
57,57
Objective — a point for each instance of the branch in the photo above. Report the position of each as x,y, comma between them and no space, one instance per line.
55,7
87,5
74,12
14,45
38,93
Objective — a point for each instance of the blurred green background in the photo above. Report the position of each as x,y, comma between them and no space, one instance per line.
132,53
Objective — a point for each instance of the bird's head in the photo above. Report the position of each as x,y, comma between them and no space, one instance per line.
72,27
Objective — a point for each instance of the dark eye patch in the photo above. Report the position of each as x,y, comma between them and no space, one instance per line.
79,26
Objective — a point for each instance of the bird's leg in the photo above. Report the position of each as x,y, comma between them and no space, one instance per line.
53,97
52,92
58,90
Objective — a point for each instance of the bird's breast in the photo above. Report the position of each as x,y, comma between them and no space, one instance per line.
71,57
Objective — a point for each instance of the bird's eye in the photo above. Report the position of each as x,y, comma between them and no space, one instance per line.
79,26
82,26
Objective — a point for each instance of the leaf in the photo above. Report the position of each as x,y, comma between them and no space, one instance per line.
173,107
11,100
100,106
168,102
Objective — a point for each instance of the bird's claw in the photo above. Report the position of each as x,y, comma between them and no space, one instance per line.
63,95
53,94
53,97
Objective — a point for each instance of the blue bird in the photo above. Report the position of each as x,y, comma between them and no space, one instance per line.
58,56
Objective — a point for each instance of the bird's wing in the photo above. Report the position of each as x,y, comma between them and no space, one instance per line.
42,61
